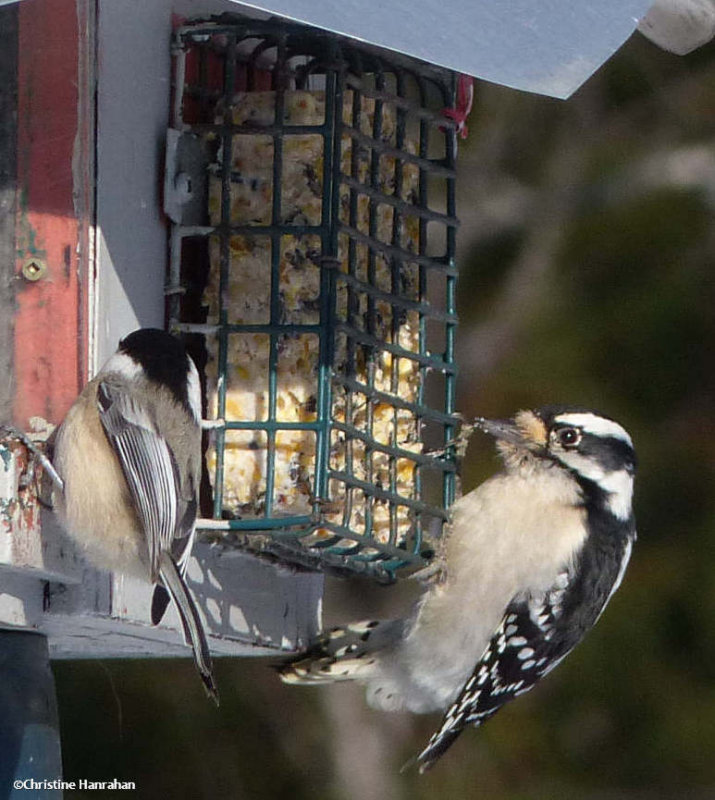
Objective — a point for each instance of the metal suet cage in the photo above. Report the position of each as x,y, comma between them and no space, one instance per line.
311,186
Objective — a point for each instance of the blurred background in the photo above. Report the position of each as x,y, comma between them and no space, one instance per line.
586,276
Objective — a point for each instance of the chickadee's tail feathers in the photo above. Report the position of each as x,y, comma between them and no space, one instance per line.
193,628
343,654
159,603
181,551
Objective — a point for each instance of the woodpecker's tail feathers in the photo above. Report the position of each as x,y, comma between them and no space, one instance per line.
194,634
343,654
433,752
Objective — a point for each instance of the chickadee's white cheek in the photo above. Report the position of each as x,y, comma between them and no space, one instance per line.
194,391
122,364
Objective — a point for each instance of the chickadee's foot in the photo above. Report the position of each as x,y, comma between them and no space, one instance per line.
11,432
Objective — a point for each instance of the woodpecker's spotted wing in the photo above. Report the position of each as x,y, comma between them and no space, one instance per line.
518,655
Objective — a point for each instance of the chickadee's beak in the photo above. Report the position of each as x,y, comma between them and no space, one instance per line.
503,430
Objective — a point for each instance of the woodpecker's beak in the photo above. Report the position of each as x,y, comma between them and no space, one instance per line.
503,430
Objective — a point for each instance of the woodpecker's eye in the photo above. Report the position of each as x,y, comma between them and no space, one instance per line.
568,437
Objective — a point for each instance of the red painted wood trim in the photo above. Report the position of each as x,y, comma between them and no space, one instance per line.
50,324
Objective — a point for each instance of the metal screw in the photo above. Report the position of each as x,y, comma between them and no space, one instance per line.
34,269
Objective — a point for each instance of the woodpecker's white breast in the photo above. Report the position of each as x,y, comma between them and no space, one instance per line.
511,536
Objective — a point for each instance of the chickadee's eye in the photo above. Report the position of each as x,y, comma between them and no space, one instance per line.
568,437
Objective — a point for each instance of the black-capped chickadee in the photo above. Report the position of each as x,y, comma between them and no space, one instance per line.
129,455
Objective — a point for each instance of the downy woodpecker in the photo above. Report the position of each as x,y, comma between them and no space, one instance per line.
526,566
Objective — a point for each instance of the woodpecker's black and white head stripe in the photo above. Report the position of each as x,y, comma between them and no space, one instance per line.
538,631
594,448
598,451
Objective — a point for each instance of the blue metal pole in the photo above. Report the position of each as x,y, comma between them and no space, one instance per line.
30,755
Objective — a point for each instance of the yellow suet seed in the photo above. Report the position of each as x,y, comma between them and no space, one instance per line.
247,301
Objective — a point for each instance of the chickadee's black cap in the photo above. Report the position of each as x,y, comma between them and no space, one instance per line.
162,357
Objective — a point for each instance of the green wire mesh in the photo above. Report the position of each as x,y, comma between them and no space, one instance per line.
376,327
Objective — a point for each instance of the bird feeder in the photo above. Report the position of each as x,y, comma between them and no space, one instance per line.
311,186
309,208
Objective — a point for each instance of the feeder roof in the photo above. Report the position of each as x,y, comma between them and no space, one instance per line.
546,46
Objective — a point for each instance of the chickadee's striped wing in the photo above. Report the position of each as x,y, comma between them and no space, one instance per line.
181,551
152,475
148,464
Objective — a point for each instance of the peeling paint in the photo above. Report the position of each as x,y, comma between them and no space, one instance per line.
27,237
48,369
19,504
